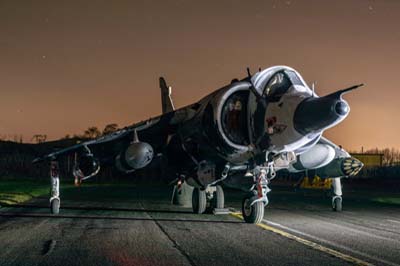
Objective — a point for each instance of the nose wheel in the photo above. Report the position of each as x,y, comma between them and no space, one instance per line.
337,204
55,206
252,213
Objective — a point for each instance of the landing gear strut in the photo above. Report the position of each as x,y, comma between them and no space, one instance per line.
254,203
55,188
337,195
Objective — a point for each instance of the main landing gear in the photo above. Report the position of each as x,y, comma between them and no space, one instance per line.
253,204
211,198
55,188
337,195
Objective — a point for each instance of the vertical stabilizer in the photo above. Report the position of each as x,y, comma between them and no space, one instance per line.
166,100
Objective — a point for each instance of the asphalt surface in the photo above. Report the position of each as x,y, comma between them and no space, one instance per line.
130,225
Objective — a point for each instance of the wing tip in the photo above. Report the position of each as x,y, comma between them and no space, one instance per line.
37,160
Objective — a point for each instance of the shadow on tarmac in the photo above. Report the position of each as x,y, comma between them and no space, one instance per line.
92,208
98,217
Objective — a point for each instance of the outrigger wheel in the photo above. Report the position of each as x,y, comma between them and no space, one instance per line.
55,188
252,214
337,204
55,206
199,200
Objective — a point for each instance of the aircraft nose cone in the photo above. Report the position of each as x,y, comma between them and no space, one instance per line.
342,108
317,114
351,166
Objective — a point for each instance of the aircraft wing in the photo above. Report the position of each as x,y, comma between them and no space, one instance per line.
118,135
104,139
163,124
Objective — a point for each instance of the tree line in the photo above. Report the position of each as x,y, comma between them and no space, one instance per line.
92,132
391,156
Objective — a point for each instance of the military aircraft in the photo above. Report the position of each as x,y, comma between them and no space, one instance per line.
240,136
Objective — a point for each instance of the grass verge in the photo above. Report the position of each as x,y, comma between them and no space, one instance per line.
388,200
14,192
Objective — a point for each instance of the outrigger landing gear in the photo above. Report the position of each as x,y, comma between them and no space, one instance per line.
254,203
55,188
337,195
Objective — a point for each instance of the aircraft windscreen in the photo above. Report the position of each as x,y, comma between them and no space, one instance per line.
294,78
277,86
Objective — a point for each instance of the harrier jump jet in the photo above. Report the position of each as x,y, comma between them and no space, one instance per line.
239,135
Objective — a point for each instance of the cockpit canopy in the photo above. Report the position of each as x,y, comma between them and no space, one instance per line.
279,84
272,84
242,115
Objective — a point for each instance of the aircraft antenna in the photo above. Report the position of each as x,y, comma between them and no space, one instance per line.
252,88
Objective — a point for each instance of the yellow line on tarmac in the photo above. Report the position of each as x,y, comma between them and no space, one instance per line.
311,244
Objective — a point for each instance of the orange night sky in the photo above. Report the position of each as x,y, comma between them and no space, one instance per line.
67,65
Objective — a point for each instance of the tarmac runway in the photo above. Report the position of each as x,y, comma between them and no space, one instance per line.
131,225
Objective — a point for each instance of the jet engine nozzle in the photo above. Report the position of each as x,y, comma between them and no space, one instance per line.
316,114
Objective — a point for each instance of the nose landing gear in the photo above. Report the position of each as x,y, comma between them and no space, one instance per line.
254,203
337,195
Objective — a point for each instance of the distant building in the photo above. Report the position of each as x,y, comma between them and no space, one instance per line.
373,163
370,160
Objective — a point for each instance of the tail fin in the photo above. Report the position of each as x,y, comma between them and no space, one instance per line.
166,100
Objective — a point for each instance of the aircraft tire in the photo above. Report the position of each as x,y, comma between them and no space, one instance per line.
199,201
337,204
55,206
220,198
252,214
